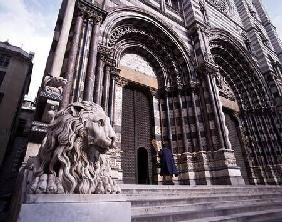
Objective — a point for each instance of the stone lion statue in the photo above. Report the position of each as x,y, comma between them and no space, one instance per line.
72,156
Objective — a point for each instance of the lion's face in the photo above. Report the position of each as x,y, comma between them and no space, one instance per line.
100,133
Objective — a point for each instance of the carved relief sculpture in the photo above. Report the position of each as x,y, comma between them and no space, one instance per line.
72,156
221,5
53,87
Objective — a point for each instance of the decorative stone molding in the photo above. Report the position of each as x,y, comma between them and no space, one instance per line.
72,158
39,127
107,60
53,88
105,50
120,31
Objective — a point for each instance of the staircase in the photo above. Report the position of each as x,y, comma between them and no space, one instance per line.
152,203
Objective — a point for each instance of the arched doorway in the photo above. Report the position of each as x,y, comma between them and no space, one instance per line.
136,132
142,166
258,129
152,61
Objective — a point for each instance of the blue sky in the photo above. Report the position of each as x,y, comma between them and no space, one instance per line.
30,24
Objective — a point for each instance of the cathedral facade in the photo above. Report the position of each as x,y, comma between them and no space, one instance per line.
203,76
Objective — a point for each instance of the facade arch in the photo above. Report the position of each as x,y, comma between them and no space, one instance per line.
133,29
238,67
256,116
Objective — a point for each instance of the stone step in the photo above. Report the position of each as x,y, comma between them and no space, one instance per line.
139,201
169,215
255,216
146,189
200,206
173,203
200,193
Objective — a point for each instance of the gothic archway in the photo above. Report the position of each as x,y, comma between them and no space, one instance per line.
257,119
165,70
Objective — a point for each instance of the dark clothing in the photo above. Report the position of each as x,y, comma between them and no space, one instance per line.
167,162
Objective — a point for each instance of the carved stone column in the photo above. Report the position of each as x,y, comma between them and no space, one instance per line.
219,165
163,6
114,72
63,39
117,117
106,84
98,81
90,75
183,128
49,97
198,146
71,62
157,179
104,59
169,133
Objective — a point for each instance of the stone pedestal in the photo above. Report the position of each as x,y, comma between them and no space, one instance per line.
75,207
210,168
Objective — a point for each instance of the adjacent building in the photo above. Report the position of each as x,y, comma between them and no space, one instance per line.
203,76
15,75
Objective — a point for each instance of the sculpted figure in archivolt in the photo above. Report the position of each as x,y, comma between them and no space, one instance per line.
71,158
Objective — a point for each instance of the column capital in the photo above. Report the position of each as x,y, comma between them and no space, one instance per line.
91,11
196,28
106,59
154,92
193,85
208,68
106,55
105,50
120,81
114,71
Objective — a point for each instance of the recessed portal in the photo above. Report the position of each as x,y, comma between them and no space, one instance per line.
142,166
136,132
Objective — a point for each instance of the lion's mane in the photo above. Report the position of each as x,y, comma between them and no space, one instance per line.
65,154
